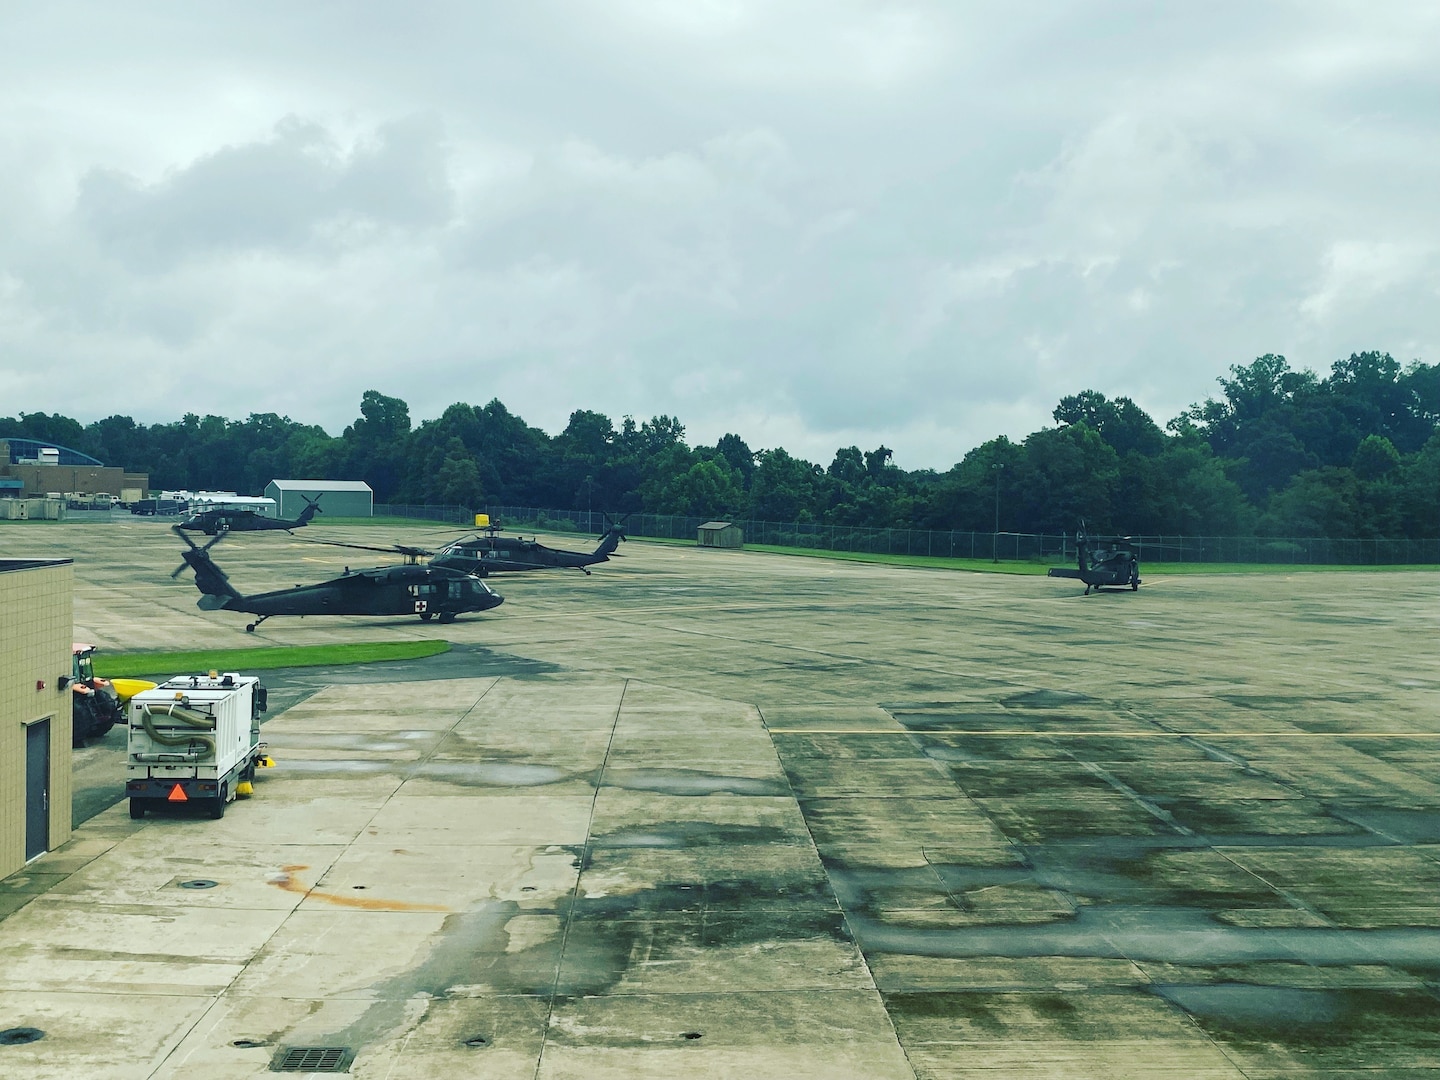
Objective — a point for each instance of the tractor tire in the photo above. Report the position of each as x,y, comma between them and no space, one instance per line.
82,720
102,726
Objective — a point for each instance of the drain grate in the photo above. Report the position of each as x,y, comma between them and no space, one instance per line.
331,1059
20,1036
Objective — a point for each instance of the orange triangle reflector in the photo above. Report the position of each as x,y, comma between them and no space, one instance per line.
177,794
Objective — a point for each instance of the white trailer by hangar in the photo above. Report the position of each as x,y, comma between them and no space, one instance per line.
194,738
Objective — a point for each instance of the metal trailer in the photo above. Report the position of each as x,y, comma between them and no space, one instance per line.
194,738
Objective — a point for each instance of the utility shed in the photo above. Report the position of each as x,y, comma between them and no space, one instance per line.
720,534
35,709
338,498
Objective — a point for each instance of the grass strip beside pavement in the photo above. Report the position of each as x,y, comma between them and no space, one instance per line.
127,665
1037,568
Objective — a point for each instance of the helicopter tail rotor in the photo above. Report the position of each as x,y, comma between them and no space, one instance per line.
614,526
196,552
209,578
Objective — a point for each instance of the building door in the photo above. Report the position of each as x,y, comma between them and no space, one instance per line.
37,789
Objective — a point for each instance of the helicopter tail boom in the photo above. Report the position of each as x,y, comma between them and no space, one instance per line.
312,507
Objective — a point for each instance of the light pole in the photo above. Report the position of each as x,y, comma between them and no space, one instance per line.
995,539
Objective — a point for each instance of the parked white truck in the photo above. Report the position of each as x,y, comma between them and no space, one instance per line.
194,738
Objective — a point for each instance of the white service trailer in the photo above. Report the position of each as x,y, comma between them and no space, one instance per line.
194,738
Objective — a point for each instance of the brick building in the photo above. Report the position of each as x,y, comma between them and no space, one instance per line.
27,470
35,630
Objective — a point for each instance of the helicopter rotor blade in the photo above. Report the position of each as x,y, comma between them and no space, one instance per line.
193,547
611,524
393,549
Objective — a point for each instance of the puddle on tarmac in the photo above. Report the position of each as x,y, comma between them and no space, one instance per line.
691,782
1156,935
467,774
1357,1027
490,774
1043,699
391,743
682,835
1256,1005
340,766
519,774
1406,826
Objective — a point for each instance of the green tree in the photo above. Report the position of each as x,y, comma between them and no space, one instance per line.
1121,423
784,488
378,443
1068,475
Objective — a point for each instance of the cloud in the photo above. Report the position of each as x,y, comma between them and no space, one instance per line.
294,190
916,223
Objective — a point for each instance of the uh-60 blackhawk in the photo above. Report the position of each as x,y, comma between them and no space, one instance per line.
408,589
487,553
224,519
491,553
1103,562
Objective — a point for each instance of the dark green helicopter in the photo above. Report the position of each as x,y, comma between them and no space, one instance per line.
408,589
217,521
483,555
490,553
1103,562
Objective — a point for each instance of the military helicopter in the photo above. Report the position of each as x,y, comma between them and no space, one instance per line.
409,589
1103,562
215,522
492,554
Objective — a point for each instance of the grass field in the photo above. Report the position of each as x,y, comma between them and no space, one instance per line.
128,665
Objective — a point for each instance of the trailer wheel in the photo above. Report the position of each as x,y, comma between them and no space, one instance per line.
217,805
137,808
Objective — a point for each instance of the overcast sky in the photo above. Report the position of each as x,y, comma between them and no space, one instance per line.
811,223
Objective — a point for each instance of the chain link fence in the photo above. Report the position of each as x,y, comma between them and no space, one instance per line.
1038,547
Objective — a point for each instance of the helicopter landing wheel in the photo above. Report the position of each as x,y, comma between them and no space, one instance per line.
426,616
250,628
447,616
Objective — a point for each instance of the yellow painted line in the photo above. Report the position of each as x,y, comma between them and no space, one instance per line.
1120,734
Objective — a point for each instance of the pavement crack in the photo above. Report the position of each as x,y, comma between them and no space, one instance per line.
579,877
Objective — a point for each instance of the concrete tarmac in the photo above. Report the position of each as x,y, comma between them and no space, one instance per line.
734,814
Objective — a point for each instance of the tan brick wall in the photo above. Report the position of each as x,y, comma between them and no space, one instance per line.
35,629
40,479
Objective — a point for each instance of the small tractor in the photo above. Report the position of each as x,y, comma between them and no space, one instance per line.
95,704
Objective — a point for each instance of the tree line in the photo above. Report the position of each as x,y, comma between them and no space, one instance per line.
1278,452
